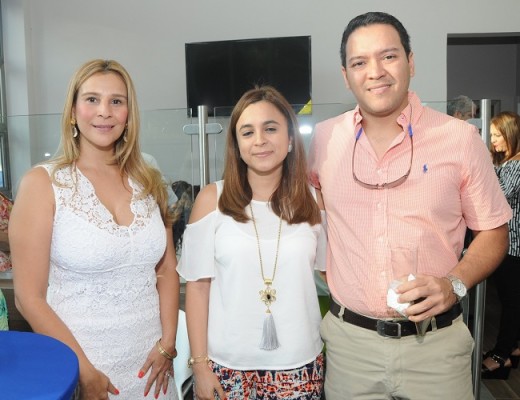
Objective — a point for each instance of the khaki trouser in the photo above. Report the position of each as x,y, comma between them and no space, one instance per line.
362,365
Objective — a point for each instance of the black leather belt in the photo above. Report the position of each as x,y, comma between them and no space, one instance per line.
394,328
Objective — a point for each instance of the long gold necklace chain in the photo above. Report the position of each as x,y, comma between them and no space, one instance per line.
268,294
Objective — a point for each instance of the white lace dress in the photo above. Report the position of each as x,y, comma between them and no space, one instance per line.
102,280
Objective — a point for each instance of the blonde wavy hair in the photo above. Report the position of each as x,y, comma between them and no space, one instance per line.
127,153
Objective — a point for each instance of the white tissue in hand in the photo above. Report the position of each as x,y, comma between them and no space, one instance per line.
392,296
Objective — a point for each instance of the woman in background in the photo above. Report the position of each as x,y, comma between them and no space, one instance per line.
505,152
248,256
181,210
92,248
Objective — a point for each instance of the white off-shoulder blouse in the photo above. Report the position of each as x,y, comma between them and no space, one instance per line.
219,248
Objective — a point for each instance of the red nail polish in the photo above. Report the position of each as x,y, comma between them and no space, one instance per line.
164,390
156,396
140,374
146,393
117,391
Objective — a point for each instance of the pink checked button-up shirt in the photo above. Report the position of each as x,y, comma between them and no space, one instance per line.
452,185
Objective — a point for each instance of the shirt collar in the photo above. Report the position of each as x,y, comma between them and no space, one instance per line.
409,116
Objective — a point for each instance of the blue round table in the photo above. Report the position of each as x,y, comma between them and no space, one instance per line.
36,367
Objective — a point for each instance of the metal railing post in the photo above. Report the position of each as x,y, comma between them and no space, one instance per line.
203,146
203,129
480,289
485,116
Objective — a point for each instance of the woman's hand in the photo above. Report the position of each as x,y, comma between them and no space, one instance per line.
95,385
160,370
206,383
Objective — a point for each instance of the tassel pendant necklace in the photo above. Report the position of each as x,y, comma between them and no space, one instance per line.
268,294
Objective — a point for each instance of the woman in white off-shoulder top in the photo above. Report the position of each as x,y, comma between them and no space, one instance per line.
249,254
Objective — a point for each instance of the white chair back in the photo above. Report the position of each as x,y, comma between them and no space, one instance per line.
183,374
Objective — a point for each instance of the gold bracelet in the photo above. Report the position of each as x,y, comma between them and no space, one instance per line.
164,353
196,360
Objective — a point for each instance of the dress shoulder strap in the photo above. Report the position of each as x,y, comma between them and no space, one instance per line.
46,167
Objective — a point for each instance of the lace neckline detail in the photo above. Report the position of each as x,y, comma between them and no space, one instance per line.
75,192
76,171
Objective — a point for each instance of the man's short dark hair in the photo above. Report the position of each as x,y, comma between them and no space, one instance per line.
371,18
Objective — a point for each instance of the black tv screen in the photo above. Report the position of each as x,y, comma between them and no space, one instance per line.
218,73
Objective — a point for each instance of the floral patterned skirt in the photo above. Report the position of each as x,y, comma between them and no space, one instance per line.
304,383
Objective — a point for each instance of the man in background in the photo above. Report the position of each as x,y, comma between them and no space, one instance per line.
462,107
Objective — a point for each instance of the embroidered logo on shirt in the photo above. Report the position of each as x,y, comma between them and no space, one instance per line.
425,168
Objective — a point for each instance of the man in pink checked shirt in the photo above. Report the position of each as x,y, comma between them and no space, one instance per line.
399,178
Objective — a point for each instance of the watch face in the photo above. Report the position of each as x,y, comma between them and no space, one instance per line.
459,288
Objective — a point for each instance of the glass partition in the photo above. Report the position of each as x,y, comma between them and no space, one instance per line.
162,137
441,106
36,138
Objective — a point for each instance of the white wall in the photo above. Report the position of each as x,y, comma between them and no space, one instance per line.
45,41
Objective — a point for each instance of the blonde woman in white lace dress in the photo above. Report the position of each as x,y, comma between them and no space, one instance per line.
92,248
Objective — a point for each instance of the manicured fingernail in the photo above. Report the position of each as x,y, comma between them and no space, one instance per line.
140,374
117,391
146,393
156,395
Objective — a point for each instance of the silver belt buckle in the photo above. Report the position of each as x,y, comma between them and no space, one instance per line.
381,328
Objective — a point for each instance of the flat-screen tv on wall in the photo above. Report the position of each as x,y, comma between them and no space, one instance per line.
218,73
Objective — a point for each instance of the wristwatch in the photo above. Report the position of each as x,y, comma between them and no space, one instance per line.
459,289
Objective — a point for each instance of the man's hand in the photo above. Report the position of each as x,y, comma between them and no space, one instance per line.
429,296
